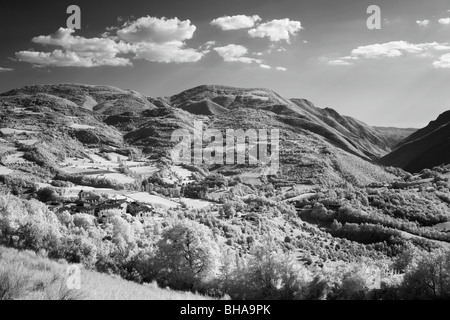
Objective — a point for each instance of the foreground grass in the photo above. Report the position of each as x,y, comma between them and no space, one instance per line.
24,275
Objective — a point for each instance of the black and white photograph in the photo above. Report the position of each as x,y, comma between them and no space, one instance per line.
225,155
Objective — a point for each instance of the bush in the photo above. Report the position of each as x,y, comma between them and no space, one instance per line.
47,194
268,274
187,256
78,249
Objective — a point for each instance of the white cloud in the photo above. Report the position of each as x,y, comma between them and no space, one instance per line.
59,58
167,52
280,69
64,38
235,53
208,45
235,22
445,21
423,23
392,50
397,49
162,39
77,51
149,38
443,62
339,62
276,30
5,69
265,66
156,30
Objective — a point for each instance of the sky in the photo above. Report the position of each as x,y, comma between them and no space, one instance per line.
319,50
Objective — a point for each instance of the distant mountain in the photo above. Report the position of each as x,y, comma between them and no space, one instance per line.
425,148
103,99
394,136
316,144
353,133
345,132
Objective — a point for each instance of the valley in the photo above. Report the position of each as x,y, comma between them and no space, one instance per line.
90,168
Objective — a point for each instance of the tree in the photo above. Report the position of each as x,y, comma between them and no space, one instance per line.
428,277
354,285
47,194
34,226
12,212
229,211
123,232
270,274
83,220
187,256
320,212
336,225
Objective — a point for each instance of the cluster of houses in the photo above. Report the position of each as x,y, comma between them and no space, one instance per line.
93,204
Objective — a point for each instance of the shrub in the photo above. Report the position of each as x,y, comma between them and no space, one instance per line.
269,274
47,194
187,256
83,220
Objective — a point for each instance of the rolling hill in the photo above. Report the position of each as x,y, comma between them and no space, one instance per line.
71,117
344,132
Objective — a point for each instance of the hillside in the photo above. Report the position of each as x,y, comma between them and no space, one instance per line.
24,275
104,99
205,107
394,136
71,118
344,132
425,148
86,177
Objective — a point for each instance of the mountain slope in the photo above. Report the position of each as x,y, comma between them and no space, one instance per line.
356,133
69,120
26,275
425,148
205,107
103,99
344,132
394,136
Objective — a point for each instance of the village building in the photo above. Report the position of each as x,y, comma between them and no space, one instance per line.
93,204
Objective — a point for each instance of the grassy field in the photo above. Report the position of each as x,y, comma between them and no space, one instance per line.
81,126
196,203
443,226
153,200
146,171
15,158
4,170
24,275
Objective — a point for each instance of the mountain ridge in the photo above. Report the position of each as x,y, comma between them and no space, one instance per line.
425,148
115,104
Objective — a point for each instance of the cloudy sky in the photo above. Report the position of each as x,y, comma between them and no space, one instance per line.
314,49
